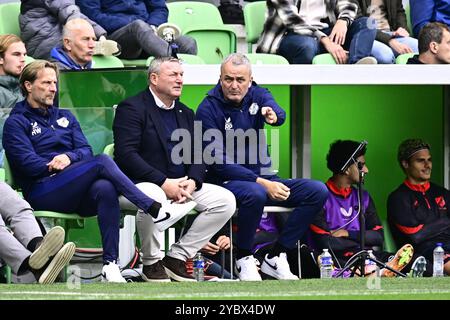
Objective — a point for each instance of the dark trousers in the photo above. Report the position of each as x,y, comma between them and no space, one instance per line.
299,49
307,197
138,40
90,188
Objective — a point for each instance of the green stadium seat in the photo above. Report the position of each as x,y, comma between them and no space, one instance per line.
9,18
254,17
28,59
185,58
214,39
134,62
99,62
389,243
324,58
263,58
408,18
65,220
403,58
2,175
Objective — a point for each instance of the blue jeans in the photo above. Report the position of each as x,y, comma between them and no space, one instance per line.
298,49
385,54
307,197
90,188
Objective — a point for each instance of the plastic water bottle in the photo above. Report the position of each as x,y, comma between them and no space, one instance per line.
438,261
326,265
371,266
199,267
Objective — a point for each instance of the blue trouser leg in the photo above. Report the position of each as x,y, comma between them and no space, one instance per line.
307,197
250,199
76,180
359,40
298,49
102,199
90,187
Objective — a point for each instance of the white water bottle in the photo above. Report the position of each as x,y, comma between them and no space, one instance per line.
438,261
199,267
326,265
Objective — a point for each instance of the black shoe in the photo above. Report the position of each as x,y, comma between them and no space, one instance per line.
155,273
176,269
231,13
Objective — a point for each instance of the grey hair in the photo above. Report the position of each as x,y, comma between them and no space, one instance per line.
237,59
155,65
71,25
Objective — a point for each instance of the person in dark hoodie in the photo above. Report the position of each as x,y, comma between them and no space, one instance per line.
54,165
434,45
238,105
78,46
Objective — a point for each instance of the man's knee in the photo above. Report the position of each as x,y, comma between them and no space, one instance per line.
153,191
140,26
187,45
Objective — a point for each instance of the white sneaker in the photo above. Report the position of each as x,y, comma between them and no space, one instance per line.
247,269
278,267
59,261
367,60
50,245
111,273
171,213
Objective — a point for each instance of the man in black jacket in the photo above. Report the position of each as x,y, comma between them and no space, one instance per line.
434,45
145,149
418,209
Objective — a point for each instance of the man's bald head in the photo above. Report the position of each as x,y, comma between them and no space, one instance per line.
79,40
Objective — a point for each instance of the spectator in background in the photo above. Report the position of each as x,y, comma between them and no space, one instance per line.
434,45
392,39
25,248
56,170
231,11
298,30
133,25
418,210
41,25
77,48
12,62
425,11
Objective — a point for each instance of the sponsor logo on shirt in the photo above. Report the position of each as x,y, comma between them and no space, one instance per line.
35,129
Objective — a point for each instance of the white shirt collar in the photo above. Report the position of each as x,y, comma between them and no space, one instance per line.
159,103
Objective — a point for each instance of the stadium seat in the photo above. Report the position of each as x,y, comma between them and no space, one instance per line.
408,17
403,58
214,39
134,62
324,58
185,58
389,243
9,18
99,62
2,175
263,58
28,59
65,220
254,17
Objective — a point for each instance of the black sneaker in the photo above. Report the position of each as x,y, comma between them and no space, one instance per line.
231,14
176,269
155,273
